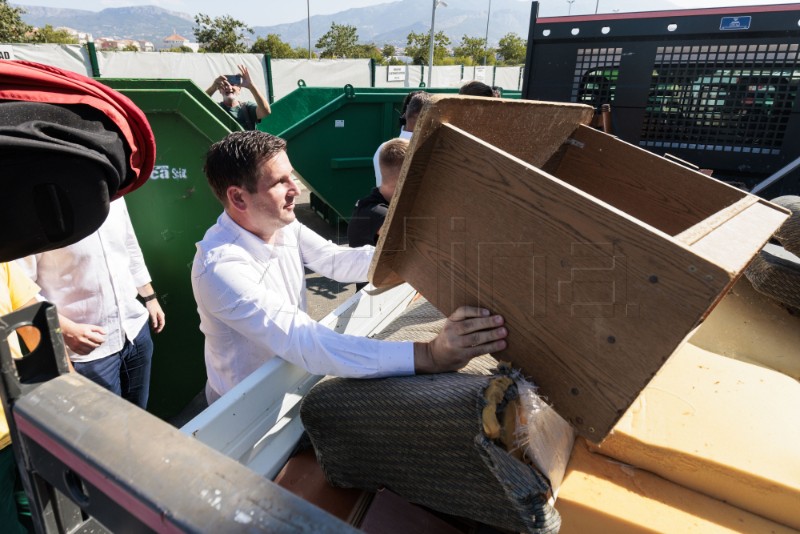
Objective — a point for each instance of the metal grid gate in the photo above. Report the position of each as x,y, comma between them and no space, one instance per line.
715,87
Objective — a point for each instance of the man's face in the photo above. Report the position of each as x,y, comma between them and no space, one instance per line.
390,175
271,207
230,92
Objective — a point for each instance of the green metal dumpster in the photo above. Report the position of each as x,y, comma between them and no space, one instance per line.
170,214
332,135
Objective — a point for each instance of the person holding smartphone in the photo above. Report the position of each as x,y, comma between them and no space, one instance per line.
248,114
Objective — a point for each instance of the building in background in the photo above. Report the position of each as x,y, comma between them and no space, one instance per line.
176,41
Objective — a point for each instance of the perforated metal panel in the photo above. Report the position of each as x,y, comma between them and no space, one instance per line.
734,98
596,72
715,87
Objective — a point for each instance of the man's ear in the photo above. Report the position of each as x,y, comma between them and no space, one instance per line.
236,198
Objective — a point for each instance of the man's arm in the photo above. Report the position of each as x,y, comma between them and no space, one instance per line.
337,262
262,105
240,296
81,338
140,274
240,303
215,85
157,318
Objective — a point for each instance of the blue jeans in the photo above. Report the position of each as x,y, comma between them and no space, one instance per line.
127,372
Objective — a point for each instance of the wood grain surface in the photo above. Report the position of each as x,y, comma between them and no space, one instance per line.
595,298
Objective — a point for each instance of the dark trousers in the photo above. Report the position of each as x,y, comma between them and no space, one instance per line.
127,372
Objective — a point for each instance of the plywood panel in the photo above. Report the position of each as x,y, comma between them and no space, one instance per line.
701,229
595,300
661,193
531,131
731,244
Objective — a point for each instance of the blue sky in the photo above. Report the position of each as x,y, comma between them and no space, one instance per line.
269,12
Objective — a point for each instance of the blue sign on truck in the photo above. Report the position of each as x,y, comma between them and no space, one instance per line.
735,23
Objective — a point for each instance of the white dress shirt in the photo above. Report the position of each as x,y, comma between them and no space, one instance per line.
251,298
376,159
94,281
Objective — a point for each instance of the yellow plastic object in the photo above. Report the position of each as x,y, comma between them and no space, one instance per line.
605,496
719,426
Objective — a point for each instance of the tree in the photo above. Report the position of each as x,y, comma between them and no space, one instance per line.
512,48
222,34
388,51
475,49
273,46
339,41
12,28
130,47
302,53
368,51
181,49
48,34
418,47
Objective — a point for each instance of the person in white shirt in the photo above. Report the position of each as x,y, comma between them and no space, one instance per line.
249,283
412,105
94,284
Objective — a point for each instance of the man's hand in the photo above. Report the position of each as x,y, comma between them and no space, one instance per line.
81,338
224,86
157,317
247,82
218,85
262,106
468,332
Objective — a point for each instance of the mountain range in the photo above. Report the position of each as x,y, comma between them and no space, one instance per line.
379,24
392,22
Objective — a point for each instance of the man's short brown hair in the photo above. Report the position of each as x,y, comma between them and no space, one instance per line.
235,160
392,154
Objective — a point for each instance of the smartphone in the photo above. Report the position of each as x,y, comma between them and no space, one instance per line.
234,79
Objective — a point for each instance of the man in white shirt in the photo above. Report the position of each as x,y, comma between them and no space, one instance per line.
94,284
249,283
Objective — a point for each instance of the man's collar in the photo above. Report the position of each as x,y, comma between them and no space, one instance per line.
254,244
